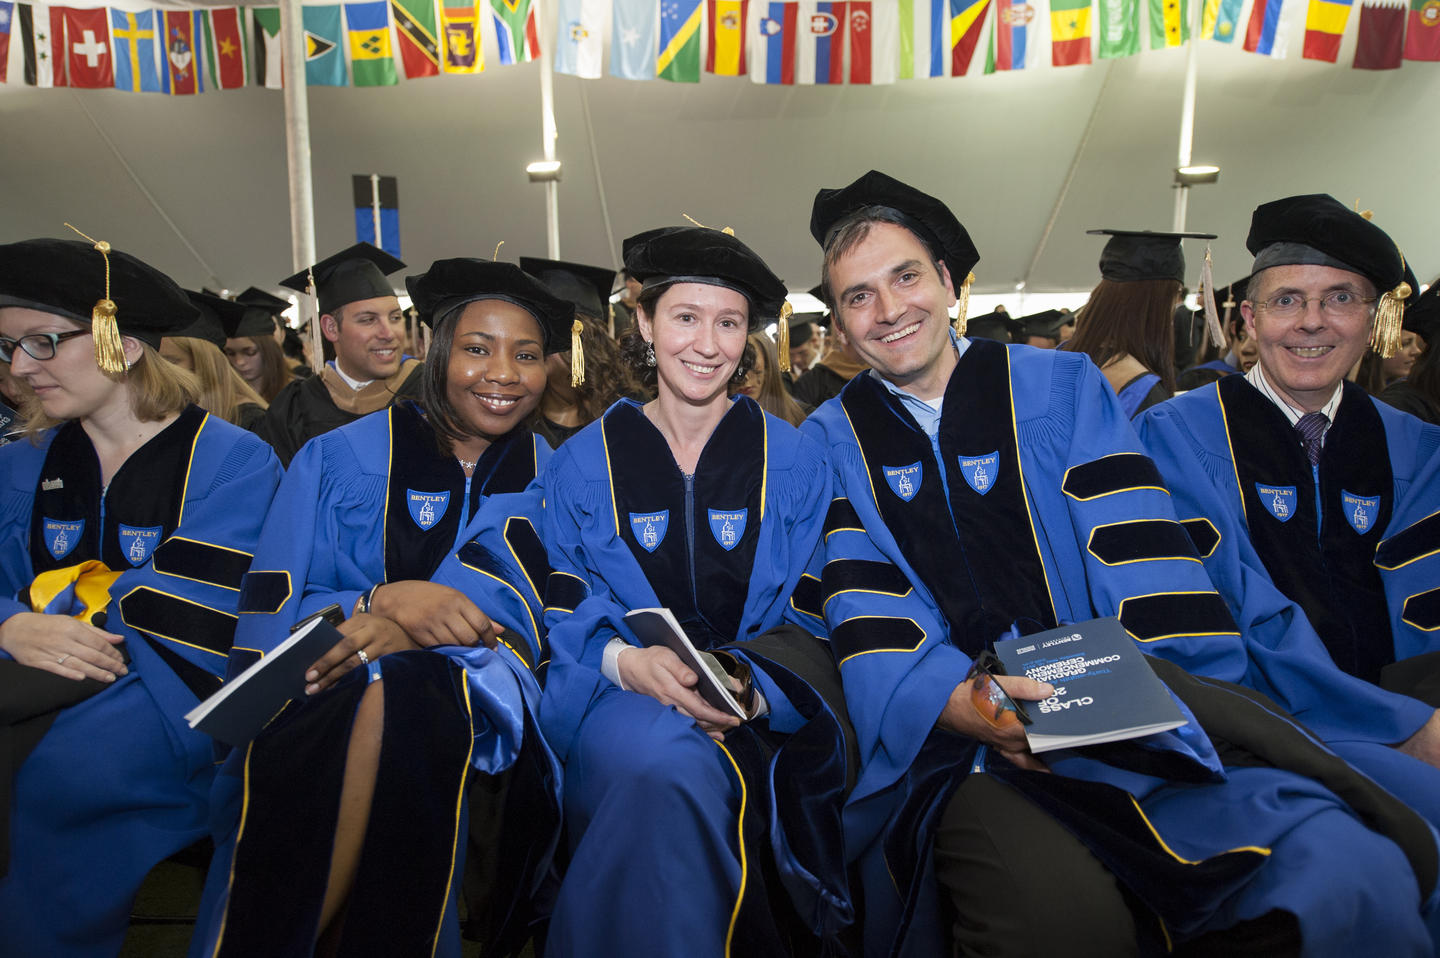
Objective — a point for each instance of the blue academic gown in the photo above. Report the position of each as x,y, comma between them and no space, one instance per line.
120,782
1040,508
655,810
368,503
1354,540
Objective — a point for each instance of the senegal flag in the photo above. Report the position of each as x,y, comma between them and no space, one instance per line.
1069,32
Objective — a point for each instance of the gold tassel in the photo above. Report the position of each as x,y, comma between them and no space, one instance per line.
1207,297
1385,334
577,354
782,336
964,302
317,336
495,256
109,350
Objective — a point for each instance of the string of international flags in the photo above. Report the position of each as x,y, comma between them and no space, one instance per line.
380,42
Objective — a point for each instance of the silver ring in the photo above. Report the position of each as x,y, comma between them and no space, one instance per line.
61,660
364,659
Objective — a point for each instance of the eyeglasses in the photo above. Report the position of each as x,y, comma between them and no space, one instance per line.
39,346
1340,302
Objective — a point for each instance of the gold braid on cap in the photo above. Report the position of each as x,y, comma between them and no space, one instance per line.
1389,313
964,301
317,335
782,336
728,230
109,350
577,354
495,256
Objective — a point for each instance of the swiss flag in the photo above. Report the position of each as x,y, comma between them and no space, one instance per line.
87,48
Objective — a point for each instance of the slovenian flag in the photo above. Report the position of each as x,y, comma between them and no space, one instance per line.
822,42
772,49
7,16
1264,34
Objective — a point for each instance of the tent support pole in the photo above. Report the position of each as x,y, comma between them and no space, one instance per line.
548,135
1187,116
297,135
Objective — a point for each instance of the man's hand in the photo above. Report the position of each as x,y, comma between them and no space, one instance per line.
960,715
434,614
659,673
374,634
63,645
1425,743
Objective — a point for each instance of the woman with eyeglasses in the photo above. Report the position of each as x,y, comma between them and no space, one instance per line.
707,506
130,515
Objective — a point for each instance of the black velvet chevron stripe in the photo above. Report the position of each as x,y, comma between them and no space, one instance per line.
841,515
1414,542
875,634
845,575
264,592
1203,535
564,591
529,552
809,596
164,615
1150,617
1112,474
1141,540
1423,610
202,683
190,559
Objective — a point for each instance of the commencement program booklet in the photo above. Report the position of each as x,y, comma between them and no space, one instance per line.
1105,691
238,712
659,627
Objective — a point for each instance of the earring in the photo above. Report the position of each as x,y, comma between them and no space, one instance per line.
649,353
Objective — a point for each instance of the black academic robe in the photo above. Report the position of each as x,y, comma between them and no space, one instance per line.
304,410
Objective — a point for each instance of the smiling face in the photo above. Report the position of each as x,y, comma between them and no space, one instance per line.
698,332
68,385
496,373
1306,355
891,304
368,337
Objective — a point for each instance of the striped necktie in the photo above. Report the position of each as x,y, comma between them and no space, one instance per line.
1311,428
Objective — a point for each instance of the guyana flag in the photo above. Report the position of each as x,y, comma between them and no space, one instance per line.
1069,32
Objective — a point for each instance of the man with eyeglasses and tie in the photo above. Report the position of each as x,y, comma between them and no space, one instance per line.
1314,507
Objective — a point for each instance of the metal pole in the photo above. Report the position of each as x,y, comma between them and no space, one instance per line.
375,207
297,134
1187,115
547,142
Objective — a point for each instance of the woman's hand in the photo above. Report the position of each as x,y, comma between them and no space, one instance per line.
63,645
372,634
659,673
434,614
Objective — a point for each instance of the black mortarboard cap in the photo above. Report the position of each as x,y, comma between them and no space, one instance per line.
994,325
452,283
67,277
347,277
588,287
255,296
1423,316
821,319
925,216
801,328
696,254
1131,256
214,310
1045,323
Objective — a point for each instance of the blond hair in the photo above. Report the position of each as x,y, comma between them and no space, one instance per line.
222,390
157,389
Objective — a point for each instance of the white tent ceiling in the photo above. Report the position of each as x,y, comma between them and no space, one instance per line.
198,186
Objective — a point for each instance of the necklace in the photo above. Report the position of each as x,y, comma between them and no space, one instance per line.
465,463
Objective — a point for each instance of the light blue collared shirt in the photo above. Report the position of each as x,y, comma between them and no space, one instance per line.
926,411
